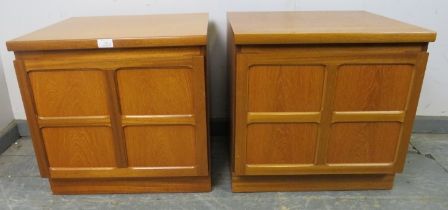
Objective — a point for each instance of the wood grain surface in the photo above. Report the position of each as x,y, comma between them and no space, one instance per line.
125,31
311,183
321,102
165,91
372,87
285,88
322,27
79,147
118,120
281,143
69,93
363,142
156,185
150,146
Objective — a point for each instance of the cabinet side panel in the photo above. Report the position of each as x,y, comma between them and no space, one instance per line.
200,110
231,56
411,109
30,110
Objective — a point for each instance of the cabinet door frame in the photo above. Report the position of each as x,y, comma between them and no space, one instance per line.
331,62
109,66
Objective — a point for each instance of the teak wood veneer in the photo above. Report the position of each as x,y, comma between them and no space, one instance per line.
118,104
322,100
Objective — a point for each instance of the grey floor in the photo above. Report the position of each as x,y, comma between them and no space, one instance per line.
423,185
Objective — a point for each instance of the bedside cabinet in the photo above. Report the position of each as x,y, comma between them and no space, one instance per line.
322,100
118,104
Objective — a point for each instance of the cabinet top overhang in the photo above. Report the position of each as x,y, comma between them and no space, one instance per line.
124,31
322,27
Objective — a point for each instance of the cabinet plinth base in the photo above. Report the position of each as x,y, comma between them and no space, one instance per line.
143,185
311,183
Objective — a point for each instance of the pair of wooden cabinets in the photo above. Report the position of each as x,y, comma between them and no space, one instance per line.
321,100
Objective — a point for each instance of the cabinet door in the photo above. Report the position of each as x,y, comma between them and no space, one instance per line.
136,115
66,101
279,96
163,113
368,111
333,113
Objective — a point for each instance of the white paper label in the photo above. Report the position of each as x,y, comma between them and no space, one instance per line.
105,43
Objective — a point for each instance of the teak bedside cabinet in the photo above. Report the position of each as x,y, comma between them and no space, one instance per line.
322,100
118,104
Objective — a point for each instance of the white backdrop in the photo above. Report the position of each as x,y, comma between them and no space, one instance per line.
6,115
22,16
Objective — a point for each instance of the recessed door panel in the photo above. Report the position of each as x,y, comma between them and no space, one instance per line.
158,146
69,93
155,91
363,142
376,87
281,143
285,88
75,147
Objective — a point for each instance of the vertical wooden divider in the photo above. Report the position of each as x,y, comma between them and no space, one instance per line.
115,119
241,114
326,114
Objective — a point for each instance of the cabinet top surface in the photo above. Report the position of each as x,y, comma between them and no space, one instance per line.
125,32
314,27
